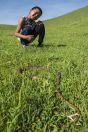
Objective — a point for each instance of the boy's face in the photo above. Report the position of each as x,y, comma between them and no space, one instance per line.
34,14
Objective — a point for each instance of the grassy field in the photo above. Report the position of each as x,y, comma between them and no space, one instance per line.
27,99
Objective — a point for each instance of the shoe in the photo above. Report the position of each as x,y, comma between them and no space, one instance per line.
40,45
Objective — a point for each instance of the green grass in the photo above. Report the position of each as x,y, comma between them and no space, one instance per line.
28,105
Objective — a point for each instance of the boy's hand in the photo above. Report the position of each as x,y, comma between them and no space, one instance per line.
29,37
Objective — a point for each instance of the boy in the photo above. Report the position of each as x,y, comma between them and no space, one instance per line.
27,29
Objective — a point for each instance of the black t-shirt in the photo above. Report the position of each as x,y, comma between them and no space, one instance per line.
29,23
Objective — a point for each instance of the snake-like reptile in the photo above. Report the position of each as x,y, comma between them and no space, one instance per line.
30,67
74,117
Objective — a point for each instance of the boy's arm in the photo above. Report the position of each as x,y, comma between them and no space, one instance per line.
18,29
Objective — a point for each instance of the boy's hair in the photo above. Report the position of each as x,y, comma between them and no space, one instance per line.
37,7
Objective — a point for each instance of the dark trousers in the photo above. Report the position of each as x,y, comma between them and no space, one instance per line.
39,30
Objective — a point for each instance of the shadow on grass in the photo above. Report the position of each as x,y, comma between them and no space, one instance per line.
53,45
48,45
61,45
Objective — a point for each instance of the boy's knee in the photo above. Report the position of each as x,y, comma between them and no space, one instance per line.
40,27
40,24
26,31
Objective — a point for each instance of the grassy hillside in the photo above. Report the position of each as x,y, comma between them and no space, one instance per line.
27,97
